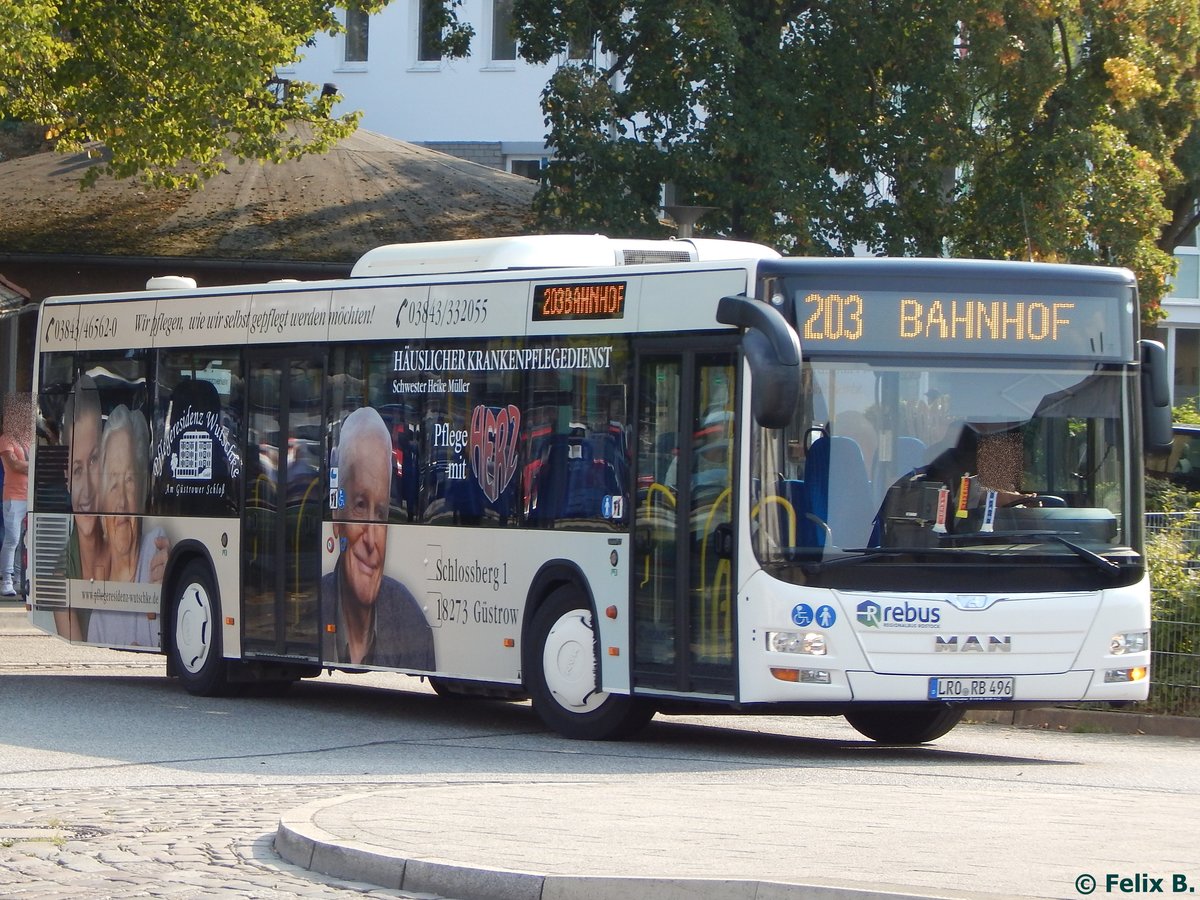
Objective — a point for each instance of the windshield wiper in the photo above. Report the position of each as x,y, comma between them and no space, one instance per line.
1094,558
955,546
1084,553
863,554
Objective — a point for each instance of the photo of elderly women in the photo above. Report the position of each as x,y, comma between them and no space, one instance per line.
132,556
86,553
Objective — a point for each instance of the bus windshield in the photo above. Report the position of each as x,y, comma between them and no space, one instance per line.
951,467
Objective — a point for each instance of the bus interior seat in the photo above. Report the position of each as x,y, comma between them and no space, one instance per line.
838,460
793,491
571,482
908,455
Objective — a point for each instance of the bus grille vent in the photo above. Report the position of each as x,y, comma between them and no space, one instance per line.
50,533
636,255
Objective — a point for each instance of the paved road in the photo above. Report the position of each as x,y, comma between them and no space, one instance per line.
97,801
116,783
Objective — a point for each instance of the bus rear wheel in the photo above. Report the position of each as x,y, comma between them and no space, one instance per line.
196,633
905,724
562,674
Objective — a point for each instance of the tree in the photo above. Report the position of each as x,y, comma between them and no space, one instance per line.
1043,129
168,86
1183,197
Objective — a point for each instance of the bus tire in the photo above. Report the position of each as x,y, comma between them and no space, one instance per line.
905,724
196,633
562,674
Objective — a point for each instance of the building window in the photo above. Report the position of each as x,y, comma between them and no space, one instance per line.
530,168
429,30
504,45
583,42
357,29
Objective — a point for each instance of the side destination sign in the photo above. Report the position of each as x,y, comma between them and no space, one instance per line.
587,300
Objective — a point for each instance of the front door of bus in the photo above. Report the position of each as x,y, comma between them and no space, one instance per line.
683,539
281,538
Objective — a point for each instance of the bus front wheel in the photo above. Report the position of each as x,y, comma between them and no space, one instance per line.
905,724
196,633
562,674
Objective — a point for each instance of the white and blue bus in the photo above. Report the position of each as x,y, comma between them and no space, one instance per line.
615,477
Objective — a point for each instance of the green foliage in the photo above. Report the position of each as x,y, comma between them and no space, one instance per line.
1175,637
1186,413
167,86
1042,129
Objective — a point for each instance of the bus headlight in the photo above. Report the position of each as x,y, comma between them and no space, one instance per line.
811,643
1129,642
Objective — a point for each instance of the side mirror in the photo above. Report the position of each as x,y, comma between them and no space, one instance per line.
773,350
1156,397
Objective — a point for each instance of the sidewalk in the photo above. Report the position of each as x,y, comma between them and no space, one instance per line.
590,841
751,835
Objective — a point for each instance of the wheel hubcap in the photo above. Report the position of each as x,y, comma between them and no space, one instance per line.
193,628
569,663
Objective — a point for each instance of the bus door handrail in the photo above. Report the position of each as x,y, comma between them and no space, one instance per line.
788,507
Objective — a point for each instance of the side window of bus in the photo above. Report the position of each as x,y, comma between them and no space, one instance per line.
78,394
360,377
497,433
50,491
576,466
197,463
453,421
472,414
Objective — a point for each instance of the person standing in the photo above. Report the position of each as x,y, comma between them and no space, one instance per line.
14,454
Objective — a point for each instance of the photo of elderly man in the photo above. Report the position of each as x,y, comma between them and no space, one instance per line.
375,620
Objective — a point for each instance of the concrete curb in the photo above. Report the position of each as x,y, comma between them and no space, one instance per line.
300,841
1091,720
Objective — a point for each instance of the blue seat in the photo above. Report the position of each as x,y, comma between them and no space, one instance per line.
571,483
909,454
836,471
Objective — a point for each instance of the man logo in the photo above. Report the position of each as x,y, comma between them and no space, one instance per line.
973,643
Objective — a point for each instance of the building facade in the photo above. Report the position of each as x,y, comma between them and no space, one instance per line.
1180,331
485,107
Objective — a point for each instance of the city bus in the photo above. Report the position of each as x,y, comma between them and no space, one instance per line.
616,478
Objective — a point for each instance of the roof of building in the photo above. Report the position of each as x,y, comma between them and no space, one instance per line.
12,295
369,190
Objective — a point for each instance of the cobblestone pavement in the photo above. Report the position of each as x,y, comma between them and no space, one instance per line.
180,843
94,842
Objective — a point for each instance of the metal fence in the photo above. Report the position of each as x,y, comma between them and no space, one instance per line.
1174,556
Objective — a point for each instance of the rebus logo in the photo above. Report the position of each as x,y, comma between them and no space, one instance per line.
906,615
